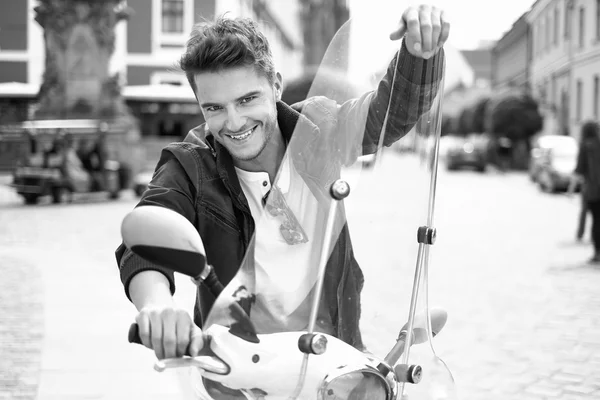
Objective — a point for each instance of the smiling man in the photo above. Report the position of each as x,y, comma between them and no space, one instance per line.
221,174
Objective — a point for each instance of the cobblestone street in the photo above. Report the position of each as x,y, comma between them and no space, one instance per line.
523,305
21,329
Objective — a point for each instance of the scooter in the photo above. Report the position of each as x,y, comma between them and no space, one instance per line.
244,357
241,357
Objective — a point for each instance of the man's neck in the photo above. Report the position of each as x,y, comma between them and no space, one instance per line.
269,159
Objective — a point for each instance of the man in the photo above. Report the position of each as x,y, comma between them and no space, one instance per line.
220,175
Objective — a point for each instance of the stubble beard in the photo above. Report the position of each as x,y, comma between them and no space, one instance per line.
269,128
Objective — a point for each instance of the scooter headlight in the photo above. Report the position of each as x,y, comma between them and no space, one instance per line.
357,383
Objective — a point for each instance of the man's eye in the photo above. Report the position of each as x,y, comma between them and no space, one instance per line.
248,99
213,108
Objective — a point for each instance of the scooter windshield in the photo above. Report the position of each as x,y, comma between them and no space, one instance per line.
331,301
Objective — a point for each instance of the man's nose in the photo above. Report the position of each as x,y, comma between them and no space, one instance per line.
235,121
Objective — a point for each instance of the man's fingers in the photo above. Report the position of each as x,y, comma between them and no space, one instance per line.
197,341
426,28
183,327
169,333
436,27
398,33
413,29
445,31
156,334
143,323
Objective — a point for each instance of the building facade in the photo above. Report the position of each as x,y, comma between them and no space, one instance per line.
565,62
511,56
155,36
147,47
468,79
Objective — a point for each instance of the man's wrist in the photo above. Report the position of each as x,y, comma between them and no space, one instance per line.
150,289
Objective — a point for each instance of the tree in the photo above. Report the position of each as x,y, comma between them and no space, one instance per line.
515,116
448,125
479,114
465,121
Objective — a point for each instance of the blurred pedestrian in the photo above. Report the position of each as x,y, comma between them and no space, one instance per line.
587,171
583,214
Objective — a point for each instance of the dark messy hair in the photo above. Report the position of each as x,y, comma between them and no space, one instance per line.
226,43
590,130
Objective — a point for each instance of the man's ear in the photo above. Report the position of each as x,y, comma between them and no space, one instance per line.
278,86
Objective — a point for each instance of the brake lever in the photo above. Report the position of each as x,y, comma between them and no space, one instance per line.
207,363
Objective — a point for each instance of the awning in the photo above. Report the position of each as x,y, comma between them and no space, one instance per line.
18,90
166,93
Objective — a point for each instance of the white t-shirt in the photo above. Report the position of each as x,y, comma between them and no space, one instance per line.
285,274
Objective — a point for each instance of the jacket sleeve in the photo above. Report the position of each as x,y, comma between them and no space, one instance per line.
170,187
415,87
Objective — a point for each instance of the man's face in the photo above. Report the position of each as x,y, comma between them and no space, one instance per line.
239,106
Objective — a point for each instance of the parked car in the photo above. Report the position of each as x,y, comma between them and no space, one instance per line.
367,161
468,152
552,162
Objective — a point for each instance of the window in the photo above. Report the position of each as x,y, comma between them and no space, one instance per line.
557,25
564,113
534,40
579,100
598,19
553,92
548,31
541,32
567,20
596,101
170,127
172,16
581,26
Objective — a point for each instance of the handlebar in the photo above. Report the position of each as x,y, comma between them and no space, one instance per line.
208,363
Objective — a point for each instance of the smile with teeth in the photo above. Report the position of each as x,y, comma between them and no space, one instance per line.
243,135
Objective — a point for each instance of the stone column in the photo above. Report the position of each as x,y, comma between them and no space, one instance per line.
79,39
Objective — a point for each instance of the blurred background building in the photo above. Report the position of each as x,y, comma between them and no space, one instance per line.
510,58
551,52
544,79
147,46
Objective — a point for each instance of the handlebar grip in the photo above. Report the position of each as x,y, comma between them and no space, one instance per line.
134,334
208,361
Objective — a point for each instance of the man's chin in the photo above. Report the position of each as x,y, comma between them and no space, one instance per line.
246,156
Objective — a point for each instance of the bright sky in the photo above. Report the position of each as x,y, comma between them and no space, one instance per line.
471,21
